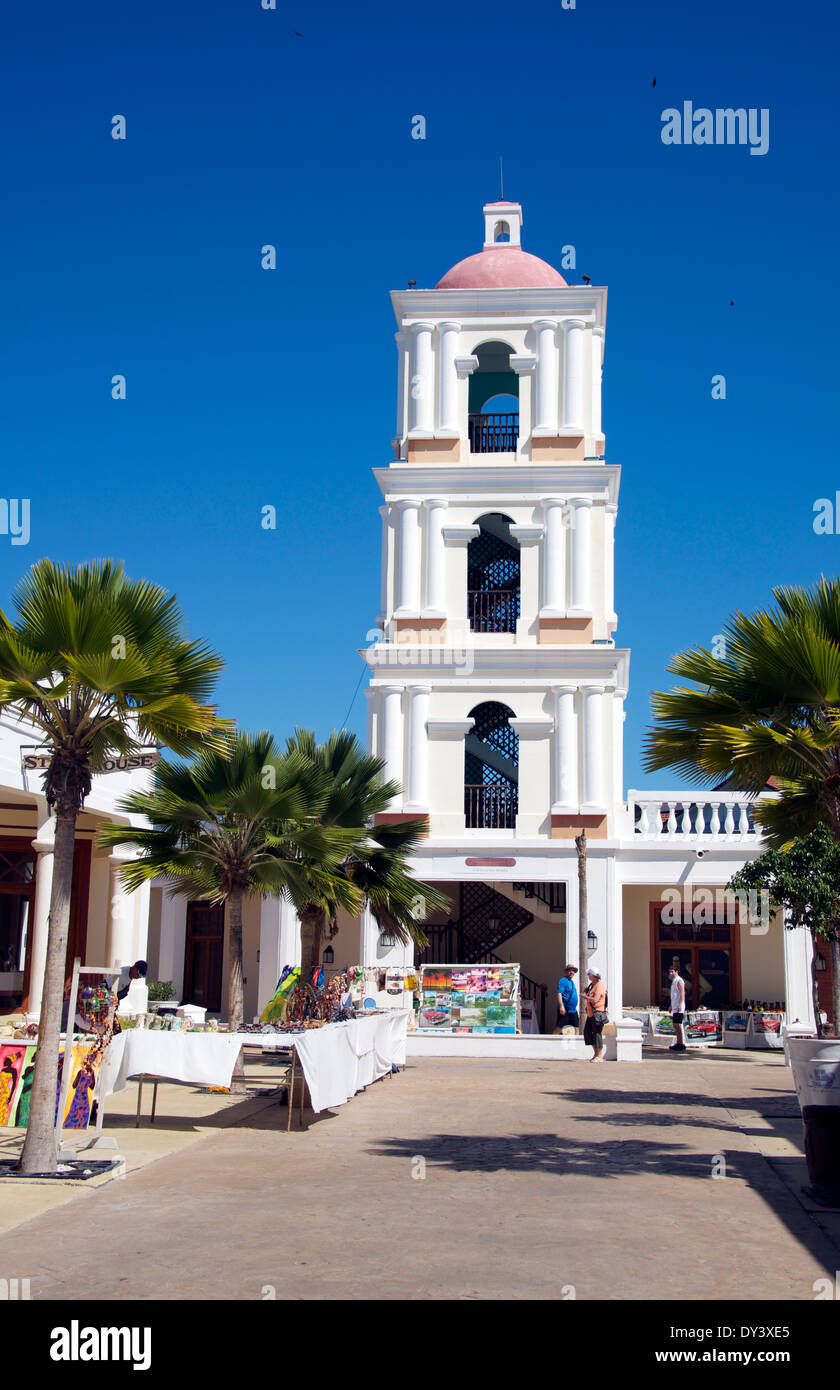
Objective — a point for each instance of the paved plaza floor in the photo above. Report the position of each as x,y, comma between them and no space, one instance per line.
675,1178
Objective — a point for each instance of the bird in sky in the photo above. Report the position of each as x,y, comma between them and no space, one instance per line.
731,302
653,83
298,34
587,279
411,284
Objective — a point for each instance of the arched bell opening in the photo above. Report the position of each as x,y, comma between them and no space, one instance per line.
494,426
493,576
491,769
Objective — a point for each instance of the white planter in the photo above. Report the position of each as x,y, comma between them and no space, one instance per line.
815,1063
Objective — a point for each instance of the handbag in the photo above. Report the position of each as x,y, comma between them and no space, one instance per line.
600,1016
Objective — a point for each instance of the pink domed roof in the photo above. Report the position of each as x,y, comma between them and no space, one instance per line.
501,267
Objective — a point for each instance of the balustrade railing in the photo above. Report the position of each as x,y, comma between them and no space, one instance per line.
494,433
722,816
491,807
493,610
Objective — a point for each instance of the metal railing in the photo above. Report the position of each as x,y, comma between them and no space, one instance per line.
493,610
494,433
552,894
490,807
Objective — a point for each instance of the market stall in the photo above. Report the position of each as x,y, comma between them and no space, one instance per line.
342,1058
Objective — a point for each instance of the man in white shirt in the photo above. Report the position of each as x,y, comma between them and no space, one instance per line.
678,1008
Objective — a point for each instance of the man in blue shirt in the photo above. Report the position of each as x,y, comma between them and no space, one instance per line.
567,1000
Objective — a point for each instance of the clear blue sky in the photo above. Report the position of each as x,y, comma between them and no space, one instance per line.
246,387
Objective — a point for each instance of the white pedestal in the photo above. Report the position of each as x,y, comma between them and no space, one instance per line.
626,1045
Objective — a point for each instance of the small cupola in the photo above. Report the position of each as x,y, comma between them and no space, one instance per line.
502,224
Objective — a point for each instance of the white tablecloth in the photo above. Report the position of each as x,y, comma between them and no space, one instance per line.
341,1058
200,1059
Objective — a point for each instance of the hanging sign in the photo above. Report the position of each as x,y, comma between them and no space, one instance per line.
120,762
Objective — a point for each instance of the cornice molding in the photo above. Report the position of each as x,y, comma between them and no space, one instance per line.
463,481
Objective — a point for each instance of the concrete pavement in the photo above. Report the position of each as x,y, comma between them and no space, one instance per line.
467,1180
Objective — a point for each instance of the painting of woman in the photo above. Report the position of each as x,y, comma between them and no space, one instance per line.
22,1116
83,1084
9,1074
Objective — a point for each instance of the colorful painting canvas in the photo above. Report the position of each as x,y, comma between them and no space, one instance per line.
17,1062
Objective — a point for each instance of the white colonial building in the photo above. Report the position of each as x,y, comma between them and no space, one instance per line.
496,696
496,693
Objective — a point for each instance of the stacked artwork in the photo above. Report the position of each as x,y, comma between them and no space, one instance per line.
17,1066
468,998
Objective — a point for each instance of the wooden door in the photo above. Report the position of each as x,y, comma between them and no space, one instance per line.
203,956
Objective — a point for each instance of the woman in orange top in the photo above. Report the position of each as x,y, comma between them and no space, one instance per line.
595,995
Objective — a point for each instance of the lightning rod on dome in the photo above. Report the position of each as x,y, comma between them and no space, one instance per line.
501,181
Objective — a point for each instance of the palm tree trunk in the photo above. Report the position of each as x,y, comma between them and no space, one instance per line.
583,924
312,923
835,987
40,1147
236,1003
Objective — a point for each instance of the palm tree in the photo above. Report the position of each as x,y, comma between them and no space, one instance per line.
234,822
375,868
98,664
767,708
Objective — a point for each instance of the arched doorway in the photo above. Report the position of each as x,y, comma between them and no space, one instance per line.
491,769
494,401
493,576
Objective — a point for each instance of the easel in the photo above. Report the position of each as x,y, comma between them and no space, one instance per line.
66,1068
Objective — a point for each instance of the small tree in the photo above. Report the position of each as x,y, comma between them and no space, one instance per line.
375,868
98,665
804,881
233,823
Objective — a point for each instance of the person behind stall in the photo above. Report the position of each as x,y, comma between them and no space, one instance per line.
567,1000
595,996
678,1008
122,983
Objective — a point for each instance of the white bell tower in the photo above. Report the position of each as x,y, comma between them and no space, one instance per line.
496,693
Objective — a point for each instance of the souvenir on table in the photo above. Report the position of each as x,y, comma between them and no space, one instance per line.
277,1006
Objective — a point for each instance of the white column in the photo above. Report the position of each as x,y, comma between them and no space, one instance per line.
390,737
798,952
554,598
289,948
546,421
448,378
618,745
383,567
597,358
368,937
573,376
421,381
615,941
418,749
593,748
435,558
44,846
408,597
581,543
371,702
402,350
270,965
609,564
173,934
119,938
565,749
